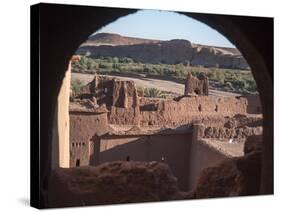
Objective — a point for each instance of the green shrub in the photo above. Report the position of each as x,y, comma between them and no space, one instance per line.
228,85
126,60
230,79
85,64
153,93
76,86
105,65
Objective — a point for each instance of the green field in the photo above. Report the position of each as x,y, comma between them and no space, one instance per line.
232,80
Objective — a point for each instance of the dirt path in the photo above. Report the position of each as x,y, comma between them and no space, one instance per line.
153,83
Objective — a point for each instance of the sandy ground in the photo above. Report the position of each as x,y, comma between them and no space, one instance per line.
153,83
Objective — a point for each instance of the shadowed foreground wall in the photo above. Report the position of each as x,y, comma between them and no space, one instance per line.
202,156
173,149
60,139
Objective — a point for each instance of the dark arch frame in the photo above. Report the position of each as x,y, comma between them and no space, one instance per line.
64,27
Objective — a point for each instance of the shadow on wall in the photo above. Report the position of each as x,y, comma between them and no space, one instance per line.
254,104
173,150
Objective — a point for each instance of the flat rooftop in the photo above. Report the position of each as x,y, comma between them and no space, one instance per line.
150,130
234,149
87,107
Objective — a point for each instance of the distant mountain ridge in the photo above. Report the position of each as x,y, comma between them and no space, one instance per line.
159,51
116,39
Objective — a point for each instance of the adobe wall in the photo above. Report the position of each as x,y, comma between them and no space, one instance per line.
111,91
173,148
231,133
186,110
202,156
83,127
238,127
210,142
124,116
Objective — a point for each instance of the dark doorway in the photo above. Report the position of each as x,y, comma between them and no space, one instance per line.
77,162
197,91
128,158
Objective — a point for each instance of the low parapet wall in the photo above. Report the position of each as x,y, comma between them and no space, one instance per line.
186,110
171,148
238,128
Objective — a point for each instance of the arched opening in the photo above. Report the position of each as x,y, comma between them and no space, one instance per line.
260,66
110,77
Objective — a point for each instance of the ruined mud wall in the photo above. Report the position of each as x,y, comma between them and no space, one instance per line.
83,127
124,116
196,85
186,110
113,183
238,127
174,149
111,92
223,133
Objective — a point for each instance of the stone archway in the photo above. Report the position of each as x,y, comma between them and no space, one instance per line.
64,27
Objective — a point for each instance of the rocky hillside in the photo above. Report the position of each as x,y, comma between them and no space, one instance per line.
115,40
156,51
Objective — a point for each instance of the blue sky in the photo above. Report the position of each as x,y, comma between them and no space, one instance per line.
165,25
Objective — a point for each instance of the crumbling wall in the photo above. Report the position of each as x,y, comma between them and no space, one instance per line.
111,91
186,110
238,127
196,85
124,116
222,133
113,183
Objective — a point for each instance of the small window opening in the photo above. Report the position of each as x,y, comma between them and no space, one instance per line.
200,108
128,158
217,108
197,91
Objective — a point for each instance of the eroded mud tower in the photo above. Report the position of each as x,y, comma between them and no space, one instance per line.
196,85
112,92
